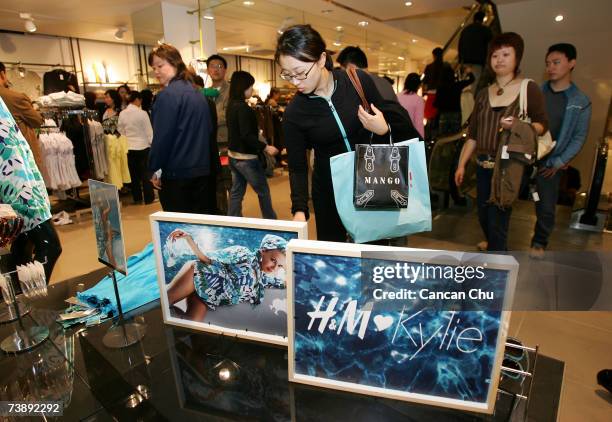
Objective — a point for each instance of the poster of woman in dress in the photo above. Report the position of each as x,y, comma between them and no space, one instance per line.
107,224
224,274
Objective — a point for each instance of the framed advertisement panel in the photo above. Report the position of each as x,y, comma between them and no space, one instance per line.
224,275
422,326
106,211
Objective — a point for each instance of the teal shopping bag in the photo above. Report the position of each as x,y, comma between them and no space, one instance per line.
368,225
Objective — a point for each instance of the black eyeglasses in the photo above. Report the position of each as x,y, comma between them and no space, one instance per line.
298,76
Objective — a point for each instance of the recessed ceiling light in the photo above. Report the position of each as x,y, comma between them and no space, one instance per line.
248,3
401,58
414,40
558,18
337,43
339,28
408,3
363,23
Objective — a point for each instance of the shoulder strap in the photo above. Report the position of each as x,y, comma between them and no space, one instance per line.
523,99
352,74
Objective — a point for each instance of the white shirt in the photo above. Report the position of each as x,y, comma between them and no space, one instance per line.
135,124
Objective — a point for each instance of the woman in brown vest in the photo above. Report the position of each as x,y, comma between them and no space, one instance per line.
496,109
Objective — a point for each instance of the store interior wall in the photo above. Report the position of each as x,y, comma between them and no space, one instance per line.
35,49
586,25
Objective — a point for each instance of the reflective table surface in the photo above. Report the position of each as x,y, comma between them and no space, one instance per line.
178,374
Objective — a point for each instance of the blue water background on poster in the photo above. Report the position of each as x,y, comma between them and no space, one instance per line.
418,350
209,238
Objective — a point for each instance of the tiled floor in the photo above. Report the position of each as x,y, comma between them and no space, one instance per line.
582,339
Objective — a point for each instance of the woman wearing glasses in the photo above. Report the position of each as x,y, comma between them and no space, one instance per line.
326,111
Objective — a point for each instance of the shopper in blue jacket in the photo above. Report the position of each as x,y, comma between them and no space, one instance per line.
182,132
569,114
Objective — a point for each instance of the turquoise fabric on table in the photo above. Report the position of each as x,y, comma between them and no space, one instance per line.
138,288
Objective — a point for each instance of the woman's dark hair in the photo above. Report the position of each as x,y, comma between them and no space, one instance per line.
171,55
127,88
147,99
115,97
241,81
412,83
507,39
134,95
90,99
303,43
197,80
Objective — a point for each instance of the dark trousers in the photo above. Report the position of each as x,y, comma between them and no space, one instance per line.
494,220
38,244
224,186
548,191
196,195
139,173
329,225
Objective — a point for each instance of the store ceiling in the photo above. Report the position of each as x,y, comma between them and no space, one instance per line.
384,39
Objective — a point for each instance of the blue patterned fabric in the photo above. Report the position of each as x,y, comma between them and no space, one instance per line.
235,274
137,289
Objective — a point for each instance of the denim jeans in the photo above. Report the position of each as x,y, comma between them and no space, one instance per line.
493,220
251,172
548,191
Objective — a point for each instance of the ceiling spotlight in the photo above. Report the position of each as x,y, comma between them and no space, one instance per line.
339,28
363,23
29,24
401,58
337,43
208,14
558,18
119,33
408,3
414,40
248,3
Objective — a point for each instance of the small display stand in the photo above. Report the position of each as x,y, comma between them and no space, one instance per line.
519,367
105,207
122,333
22,339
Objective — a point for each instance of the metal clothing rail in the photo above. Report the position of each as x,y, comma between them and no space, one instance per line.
40,64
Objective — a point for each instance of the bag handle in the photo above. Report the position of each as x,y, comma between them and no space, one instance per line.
354,78
523,100
352,74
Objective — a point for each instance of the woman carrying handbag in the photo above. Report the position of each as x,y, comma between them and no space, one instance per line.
326,112
498,108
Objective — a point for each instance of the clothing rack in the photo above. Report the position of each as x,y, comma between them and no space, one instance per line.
59,114
71,66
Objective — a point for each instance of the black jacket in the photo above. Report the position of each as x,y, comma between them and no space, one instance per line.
182,130
309,122
242,129
448,96
473,44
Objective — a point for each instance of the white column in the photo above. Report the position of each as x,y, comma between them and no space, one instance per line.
181,29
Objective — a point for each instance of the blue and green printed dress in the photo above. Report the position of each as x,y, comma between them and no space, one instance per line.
21,184
233,276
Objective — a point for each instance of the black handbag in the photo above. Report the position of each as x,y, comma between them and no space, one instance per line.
381,176
381,170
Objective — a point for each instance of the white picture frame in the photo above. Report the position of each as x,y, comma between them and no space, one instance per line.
290,229
493,262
